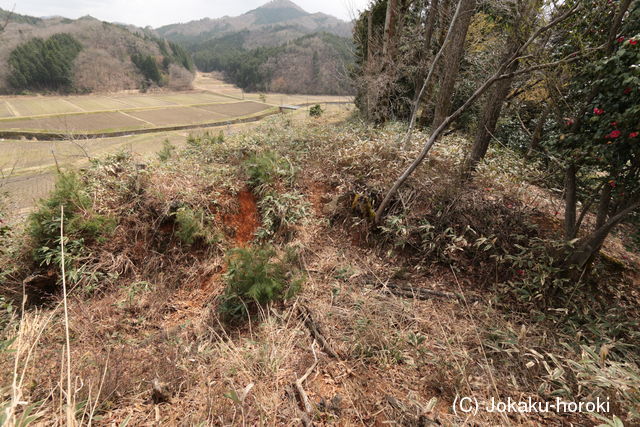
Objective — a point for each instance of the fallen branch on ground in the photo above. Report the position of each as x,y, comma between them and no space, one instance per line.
316,331
304,399
417,293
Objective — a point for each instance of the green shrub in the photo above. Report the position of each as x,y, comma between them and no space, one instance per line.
202,145
168,149
265,168
316,111
280,211
255,278
81,224
191,227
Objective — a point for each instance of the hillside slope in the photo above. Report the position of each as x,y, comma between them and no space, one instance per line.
239,281
312,64
104,63
276,47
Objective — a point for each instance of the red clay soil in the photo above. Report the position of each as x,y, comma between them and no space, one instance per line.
245,222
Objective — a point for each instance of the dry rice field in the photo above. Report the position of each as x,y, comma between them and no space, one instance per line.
101,114
28,167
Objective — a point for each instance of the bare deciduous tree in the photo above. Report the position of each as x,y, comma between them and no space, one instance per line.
451,64
500,74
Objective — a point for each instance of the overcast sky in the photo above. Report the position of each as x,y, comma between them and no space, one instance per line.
161,12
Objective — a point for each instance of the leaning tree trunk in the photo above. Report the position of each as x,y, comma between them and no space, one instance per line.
451,66
589,246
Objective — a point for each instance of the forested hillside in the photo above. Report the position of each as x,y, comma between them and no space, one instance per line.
86,55
313,64
277,47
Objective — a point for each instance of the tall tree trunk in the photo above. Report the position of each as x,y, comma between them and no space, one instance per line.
430,23
369,60
490,116
451,64
390,21
442,24
603,206
538,132
427,80
570,201
369,37
443,18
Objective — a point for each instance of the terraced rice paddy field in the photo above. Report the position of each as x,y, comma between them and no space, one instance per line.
90,114
83,125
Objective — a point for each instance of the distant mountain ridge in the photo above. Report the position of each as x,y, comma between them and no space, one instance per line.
271,16
277,47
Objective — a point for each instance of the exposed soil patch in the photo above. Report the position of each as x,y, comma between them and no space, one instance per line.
246,221
317,192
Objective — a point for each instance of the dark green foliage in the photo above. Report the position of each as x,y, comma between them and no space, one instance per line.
148,67
174,53
248,68
191,227
155,72
181,56
44,64
217,54
81,224
316,111
255,278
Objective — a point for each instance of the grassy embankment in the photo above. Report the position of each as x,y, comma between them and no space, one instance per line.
239,280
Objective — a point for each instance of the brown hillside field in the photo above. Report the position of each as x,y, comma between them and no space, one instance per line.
75,123
386,326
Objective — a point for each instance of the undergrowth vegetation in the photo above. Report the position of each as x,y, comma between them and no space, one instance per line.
71,206
272,178
223,301
255,279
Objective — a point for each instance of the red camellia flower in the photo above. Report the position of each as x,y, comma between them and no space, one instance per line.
613,134
627,90
568,121
598,111
620,39
614,124
634,134
633,42
520,272
612,183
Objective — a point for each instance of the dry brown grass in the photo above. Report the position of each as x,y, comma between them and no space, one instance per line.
401,360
